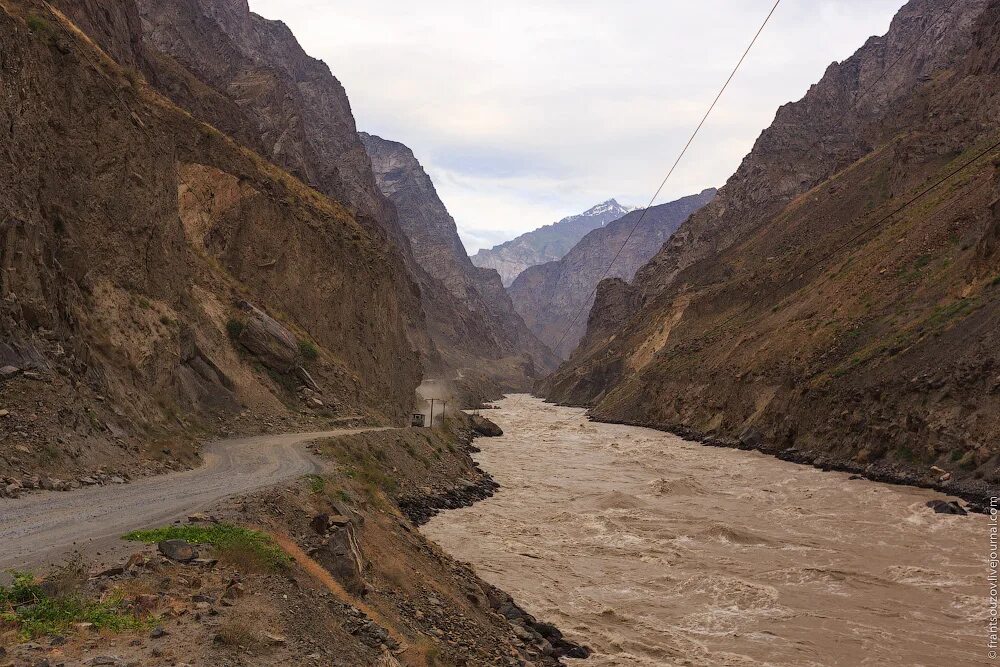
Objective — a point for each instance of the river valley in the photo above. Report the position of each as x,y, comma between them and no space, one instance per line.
658,551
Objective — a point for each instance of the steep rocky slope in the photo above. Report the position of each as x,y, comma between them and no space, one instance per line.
546,244
248,76
811,309
438,249
549,295
158,278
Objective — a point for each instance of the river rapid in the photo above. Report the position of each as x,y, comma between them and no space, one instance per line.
657,551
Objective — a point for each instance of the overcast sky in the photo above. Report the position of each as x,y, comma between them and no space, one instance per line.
525,111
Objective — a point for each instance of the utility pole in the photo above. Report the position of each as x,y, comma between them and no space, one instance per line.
432,413
444,410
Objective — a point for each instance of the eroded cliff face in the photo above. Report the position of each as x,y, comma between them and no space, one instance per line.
811,306
134,241
505,348
548,296
248,76
546,244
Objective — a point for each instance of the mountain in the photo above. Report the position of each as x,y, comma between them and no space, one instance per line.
194,243
548,296
438,249
838,301
162,282
249,77
548,243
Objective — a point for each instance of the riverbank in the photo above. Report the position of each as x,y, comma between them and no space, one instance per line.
975,492
360,585
660,551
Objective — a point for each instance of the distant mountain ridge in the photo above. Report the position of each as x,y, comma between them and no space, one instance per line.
548,296
838,302
548,243
514,352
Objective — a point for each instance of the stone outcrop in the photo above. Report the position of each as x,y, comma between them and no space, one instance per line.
548,296
828,302
548,243
266,338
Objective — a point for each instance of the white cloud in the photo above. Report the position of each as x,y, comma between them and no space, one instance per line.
526,111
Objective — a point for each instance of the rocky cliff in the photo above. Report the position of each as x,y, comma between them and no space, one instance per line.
548,296
160,280
248,76
546,244
438,250
838,300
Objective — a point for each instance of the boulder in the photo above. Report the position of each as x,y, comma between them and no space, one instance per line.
268,340
947,507
485,427
324,523
751,439
178,550
341,556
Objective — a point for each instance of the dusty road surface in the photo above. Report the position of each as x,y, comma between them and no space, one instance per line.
40,528
657,551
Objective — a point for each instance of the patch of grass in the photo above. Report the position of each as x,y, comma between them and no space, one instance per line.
316,484
905,454
37,24
26,608
234,328
957,309
432,654
246,625
239,546
363,465
94,421
308,350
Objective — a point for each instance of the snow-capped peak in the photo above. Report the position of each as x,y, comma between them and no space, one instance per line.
609,206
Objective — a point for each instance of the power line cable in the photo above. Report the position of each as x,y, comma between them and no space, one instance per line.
673,167
854,105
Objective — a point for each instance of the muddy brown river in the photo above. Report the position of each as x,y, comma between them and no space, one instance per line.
657,551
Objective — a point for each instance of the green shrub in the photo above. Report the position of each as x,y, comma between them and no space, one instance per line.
316,484
308,350
37,24
28,609
235,328
237,545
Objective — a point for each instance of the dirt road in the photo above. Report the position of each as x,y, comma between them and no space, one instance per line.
41,528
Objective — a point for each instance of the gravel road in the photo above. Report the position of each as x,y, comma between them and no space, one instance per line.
43,527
